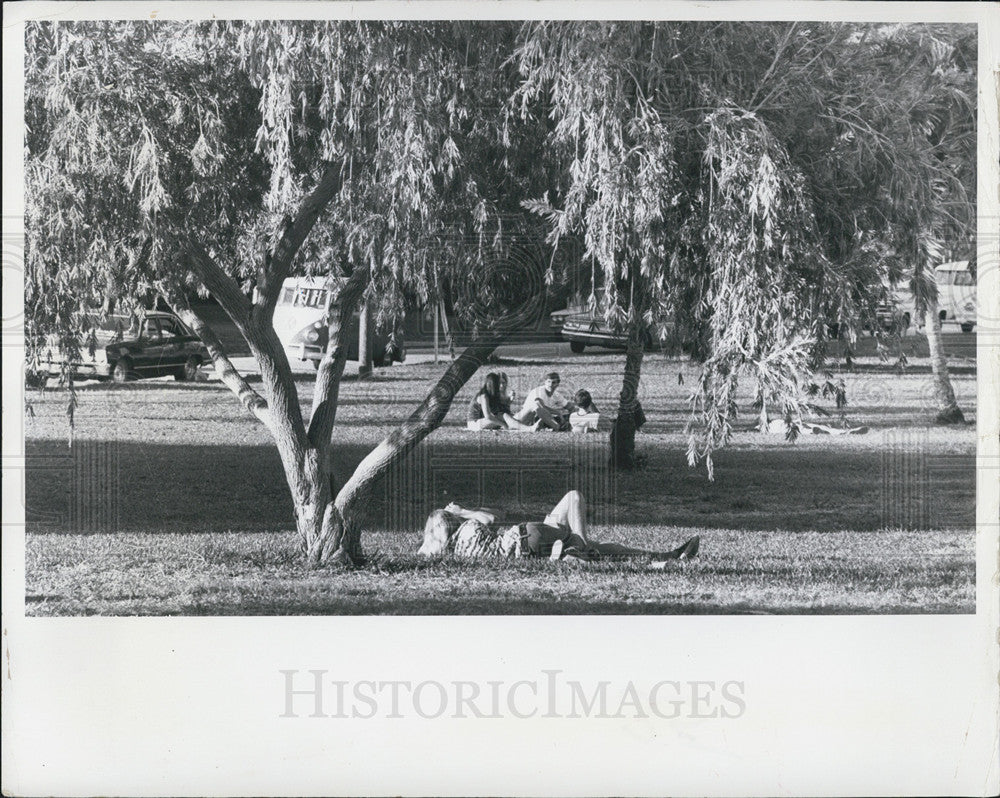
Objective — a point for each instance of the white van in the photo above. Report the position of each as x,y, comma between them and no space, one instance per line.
957,294
300,322
956,286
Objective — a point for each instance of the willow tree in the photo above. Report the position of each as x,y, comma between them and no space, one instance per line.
932,130
164,159
689,206
884,133
726,184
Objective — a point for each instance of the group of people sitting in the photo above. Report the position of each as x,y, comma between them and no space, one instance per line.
545,407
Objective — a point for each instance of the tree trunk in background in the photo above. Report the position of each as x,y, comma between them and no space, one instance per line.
623,430
948,409
364,341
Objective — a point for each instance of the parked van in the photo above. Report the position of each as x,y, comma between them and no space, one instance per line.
300,322
957,294
956,287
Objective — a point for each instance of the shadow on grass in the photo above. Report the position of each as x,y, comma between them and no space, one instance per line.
890,369
107,486
363,605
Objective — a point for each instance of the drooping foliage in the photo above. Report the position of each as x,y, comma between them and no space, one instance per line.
144,137
167,158
742,184
755,181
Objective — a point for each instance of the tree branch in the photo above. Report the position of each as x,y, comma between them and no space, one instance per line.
223,287
278,263
777,56
285,416
331,367
224,369
421,423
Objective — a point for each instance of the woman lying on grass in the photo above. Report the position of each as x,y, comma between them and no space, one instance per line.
561,536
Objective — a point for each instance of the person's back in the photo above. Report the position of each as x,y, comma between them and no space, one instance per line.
475,411
586,417
486,408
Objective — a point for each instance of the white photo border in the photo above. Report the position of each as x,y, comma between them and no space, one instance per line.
874,705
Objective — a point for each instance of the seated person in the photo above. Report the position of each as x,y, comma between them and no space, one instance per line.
490,408
506,394
586,417
562,535
546,406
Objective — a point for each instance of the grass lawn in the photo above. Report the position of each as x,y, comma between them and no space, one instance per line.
172,501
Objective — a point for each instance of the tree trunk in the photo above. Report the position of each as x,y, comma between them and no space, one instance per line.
623,430
355,496
364,341
323,534
948,409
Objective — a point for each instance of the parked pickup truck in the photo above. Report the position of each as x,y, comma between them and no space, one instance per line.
123,348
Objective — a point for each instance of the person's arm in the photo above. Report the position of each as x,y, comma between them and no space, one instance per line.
560,404
484,515
487,413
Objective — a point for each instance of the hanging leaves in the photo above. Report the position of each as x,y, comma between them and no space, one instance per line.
763,179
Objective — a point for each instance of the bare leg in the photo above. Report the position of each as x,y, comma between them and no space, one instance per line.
514,424
481,424
617,551
571,512
525,417
547,418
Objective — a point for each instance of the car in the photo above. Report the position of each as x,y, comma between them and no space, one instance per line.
579,302
123,348
558,318
890,318
590,329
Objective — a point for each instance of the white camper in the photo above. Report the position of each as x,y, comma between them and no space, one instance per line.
957,293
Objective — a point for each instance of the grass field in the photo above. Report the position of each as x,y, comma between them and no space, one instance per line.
172,501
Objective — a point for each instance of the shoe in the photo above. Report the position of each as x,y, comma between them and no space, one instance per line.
557,550
690,549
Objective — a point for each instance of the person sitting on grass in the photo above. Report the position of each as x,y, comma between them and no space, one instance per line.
586,417
546,406
506,394
490,409
561,536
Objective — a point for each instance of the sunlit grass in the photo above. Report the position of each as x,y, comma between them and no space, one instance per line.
738,572
204,524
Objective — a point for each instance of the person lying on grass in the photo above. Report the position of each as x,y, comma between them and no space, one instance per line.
561,536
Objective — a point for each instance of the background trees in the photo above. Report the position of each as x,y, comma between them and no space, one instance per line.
749,183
